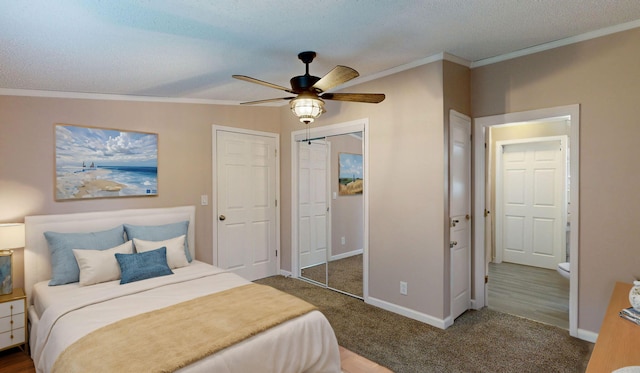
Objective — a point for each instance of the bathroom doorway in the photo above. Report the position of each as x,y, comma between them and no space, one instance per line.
529,185
484,237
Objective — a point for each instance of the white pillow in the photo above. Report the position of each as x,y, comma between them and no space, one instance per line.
176,257
100,265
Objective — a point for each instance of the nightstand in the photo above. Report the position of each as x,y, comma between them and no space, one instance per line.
13,320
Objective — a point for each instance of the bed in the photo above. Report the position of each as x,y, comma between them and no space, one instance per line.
199,318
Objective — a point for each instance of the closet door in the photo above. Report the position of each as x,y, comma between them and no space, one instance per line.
313,210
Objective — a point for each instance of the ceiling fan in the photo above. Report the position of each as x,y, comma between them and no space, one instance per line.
310,91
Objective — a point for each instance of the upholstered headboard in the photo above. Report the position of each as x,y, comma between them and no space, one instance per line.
37,259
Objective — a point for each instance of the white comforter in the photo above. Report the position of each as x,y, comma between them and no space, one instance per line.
304,344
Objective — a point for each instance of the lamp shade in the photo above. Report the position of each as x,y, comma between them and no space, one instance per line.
11,236
307,107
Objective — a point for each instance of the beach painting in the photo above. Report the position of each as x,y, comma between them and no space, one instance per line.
102,163
350,174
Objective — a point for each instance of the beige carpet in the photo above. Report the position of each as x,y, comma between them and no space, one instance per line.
479,341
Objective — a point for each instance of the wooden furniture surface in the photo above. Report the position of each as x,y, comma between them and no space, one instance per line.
617,345
13,320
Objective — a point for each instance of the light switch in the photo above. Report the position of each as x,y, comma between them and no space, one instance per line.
335,195
204,200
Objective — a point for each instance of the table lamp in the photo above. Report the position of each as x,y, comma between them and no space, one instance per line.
11,237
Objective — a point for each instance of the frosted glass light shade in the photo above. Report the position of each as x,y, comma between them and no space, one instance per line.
307,107
11,236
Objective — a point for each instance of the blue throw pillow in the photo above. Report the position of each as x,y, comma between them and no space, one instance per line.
141,266
64,267
160,233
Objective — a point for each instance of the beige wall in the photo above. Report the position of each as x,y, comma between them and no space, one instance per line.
184,155
347,212
603,76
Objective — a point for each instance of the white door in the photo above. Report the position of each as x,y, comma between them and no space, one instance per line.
459,212
246,188
531,202
312,203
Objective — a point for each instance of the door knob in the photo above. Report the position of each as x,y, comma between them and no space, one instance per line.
222,217
454,222
452,244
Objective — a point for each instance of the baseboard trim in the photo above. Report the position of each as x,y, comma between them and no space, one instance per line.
587,335
407,312
474,305
346,255
285,273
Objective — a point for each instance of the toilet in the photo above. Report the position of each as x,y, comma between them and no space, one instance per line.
564,270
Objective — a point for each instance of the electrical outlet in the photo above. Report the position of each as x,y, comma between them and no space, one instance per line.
343,241
403,288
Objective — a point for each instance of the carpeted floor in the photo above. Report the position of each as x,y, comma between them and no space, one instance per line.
479,341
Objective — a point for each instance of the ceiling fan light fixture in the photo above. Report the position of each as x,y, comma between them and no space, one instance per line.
307,107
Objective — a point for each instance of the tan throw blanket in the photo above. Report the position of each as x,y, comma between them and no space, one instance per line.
170,338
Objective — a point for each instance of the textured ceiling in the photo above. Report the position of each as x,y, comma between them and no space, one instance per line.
188,49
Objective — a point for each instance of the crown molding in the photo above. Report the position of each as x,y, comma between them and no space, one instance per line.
558,43
110,97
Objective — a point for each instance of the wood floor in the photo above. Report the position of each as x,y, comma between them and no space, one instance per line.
535,293
16,361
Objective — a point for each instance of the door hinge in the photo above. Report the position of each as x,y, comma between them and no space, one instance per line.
276,203
486,279
275,151
276,253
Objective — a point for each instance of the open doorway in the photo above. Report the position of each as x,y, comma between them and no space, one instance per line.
527,183
483,197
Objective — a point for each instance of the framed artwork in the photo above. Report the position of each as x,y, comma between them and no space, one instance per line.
104,163
350,181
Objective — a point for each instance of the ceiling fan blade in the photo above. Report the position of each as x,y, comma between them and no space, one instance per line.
335,77
372,98
265,101
258,81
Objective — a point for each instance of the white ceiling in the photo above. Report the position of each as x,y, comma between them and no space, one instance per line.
188,49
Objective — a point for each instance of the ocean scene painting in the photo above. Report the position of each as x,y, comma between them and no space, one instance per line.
100,163
350,174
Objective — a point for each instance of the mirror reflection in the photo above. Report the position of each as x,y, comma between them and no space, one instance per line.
331,212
